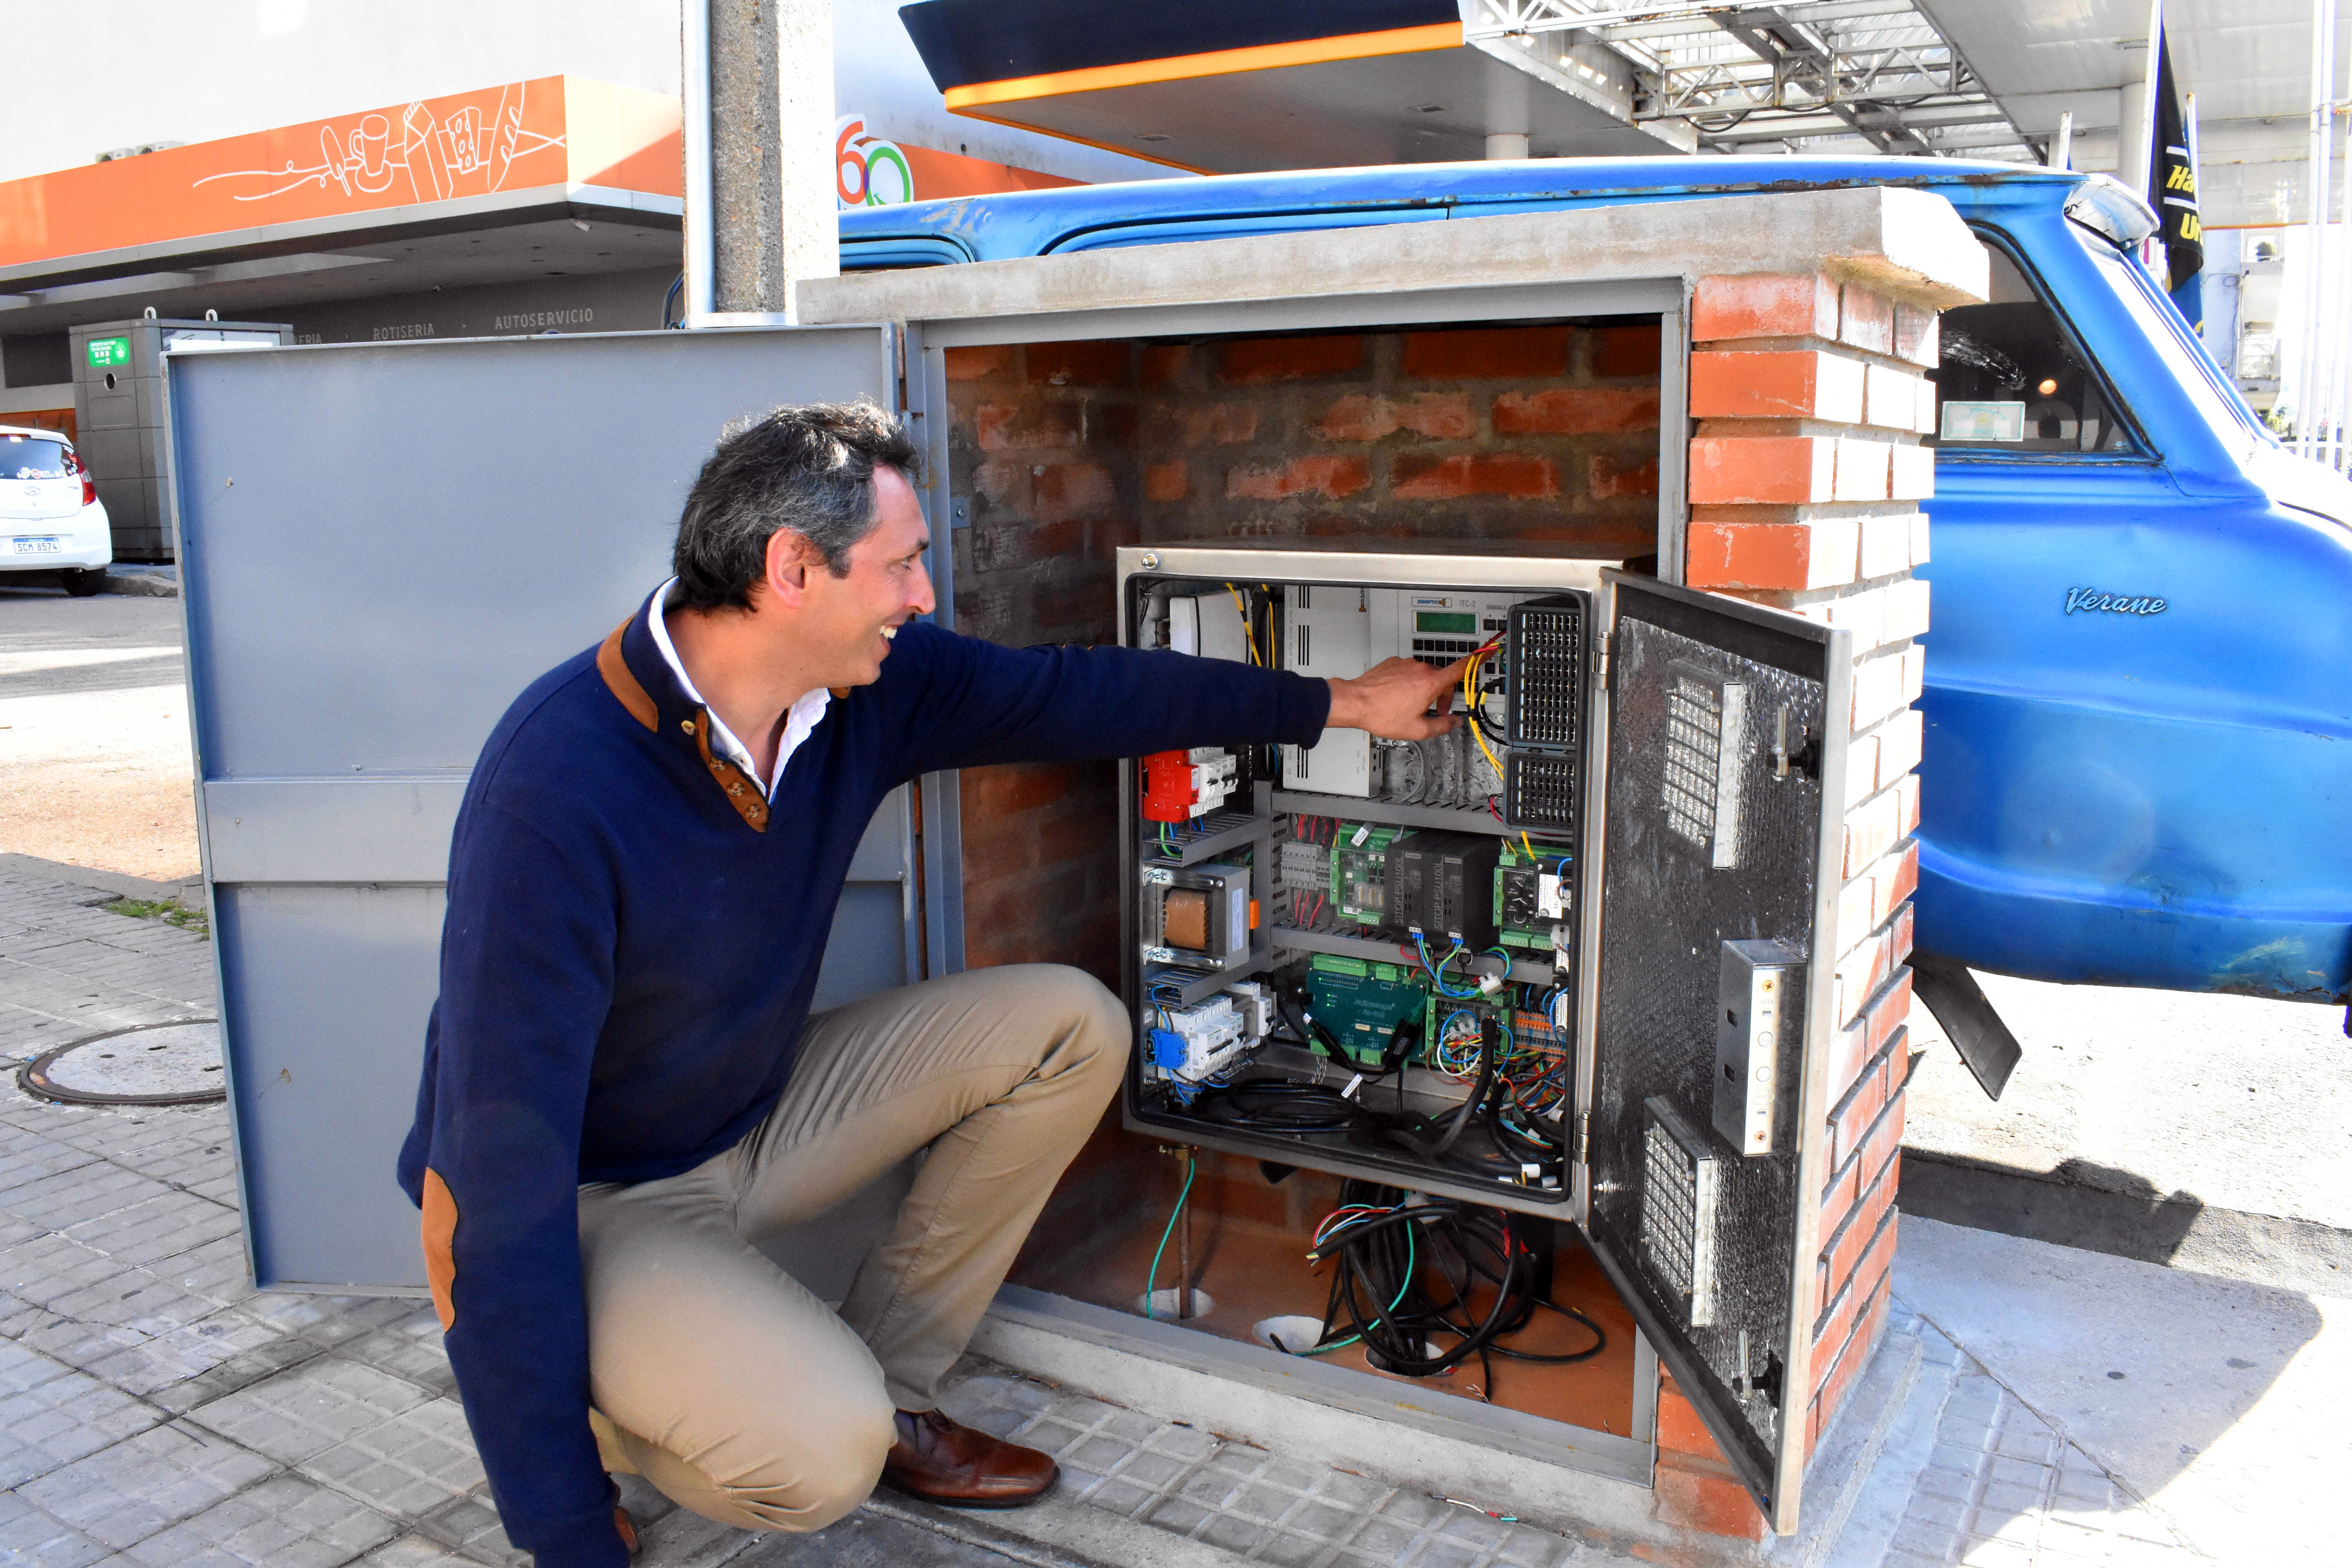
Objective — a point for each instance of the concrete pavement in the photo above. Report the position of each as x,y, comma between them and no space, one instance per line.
2215,1402
2209,1132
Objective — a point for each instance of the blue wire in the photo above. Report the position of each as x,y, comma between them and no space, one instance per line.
1436,969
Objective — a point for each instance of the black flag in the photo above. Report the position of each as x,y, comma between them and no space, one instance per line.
2172,178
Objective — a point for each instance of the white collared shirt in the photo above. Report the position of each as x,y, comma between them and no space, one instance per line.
800,720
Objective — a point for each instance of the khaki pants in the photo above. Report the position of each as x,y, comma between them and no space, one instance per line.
737,1392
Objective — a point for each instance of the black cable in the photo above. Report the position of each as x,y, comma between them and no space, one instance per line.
1381,1291
1277,1105
1419,1136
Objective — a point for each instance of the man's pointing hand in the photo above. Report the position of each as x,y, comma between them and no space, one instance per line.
1392,699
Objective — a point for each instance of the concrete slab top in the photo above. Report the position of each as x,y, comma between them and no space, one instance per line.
1910,244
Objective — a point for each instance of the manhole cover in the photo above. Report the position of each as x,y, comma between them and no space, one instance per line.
154,1064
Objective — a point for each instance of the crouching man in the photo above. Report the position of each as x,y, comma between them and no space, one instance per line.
624,1090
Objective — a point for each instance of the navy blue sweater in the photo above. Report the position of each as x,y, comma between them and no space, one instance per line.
627,959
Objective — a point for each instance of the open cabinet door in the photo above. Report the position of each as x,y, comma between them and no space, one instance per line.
1717,751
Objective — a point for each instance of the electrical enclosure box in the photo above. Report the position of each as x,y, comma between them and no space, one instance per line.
1666,769
1755,1094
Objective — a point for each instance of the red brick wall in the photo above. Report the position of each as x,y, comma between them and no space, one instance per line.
1806,475
1041,439
1069,450
1535,433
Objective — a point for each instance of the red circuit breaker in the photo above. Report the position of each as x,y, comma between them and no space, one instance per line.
1181,786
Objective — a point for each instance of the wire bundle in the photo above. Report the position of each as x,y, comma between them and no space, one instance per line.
1408,1272
1437,969
1454,1053
1482,728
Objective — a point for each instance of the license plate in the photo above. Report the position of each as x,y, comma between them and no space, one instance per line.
37,547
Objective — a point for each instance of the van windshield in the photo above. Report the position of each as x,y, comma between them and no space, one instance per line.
2012,380
2192,367
31,457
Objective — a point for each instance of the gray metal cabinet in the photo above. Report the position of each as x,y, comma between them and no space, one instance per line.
381,546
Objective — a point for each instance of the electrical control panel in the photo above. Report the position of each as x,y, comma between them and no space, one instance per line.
1414,919
1363,911
1570,957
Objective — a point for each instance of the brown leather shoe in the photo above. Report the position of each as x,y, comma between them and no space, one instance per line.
939,1461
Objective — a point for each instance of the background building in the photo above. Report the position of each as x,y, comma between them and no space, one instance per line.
372,171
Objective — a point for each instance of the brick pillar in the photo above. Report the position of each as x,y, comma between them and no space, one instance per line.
1806,475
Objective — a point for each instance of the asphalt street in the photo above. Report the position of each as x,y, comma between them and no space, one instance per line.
2212,1133
95,764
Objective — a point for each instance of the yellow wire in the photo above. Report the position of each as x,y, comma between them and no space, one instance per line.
1471,695
1249,635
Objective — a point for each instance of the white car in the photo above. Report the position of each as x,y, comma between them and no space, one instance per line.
51,517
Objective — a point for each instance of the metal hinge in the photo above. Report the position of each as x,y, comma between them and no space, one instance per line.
1601,660
1584,1137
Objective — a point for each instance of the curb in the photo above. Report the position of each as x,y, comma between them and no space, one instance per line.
189,894
2177,1230
142,585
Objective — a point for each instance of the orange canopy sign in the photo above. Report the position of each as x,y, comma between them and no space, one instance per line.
555,131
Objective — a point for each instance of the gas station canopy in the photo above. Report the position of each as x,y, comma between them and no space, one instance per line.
1228,87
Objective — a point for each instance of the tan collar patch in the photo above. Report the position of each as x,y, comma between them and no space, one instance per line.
625,685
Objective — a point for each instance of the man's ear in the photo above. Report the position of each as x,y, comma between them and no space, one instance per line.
790,559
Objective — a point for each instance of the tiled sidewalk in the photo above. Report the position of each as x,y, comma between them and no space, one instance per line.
2000,1487
155,1410
69,968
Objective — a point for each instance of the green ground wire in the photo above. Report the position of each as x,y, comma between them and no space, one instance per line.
1151,1284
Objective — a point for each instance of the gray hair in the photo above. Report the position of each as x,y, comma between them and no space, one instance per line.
809,469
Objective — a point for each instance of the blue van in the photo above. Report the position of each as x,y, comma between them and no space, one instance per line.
2138,705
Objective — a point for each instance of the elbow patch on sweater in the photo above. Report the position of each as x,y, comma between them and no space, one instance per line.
440,1232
